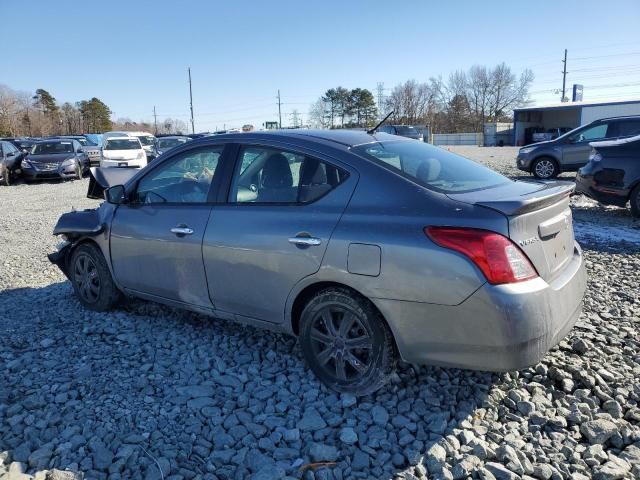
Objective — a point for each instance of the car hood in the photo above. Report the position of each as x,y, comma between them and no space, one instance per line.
50,157
540,144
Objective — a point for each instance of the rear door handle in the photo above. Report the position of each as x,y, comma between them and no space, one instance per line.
305,241
180,231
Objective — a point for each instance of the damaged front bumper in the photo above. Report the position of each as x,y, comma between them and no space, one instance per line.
60,257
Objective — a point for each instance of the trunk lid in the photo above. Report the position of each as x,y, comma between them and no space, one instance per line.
539,217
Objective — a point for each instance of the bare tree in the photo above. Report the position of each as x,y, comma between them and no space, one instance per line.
411,102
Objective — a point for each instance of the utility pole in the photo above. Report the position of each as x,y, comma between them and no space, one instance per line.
193,128
380,98
294,118
564,76
279,111
155,120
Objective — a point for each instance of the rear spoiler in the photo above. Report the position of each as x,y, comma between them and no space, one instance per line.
102,178
552,193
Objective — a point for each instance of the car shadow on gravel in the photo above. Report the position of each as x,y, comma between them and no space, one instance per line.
146,388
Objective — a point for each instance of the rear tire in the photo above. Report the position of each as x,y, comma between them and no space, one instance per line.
634,199
545,168
91,279
346,342
6,177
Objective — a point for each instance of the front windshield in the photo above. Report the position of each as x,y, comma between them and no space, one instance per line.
122,144
48,148
146,140
431,166
167,143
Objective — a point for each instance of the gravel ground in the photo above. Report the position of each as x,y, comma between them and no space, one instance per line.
152,392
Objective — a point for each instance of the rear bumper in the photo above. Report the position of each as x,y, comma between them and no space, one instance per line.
123,163
498,328
609,196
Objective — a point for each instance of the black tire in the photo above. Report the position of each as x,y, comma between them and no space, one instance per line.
358,358
545,168
78,171
91,279
634,200
6,177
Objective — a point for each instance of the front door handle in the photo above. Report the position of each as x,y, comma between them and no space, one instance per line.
305,241
182,230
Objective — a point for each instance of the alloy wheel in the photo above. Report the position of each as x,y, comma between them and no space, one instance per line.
87,278
341,343
544,168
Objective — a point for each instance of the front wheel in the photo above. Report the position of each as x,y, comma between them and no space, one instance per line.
91,279
78,171
545,168
346,342
634,199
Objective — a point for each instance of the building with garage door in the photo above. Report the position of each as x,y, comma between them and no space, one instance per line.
553,120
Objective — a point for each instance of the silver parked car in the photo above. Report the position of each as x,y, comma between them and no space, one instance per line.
368,247
570,152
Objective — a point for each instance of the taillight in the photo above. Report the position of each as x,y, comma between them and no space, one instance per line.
499,259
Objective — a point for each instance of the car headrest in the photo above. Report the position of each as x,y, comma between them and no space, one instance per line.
276,172
313,172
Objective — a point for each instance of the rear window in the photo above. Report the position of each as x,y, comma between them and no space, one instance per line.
431,166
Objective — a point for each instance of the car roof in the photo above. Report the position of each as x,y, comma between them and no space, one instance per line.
348,138
57,139
173,136
622,117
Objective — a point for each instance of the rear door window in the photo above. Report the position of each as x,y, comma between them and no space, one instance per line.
628,128
270,175
431,167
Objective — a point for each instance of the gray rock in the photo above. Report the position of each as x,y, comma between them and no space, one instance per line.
614,469
500,472
323,453
379,415
542,471
47,342
102,457
435,458
598,431
348,436
39,459
360,461
311,421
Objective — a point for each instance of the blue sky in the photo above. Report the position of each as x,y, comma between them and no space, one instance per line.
134,55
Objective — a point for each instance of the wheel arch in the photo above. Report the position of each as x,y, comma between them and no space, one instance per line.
308,291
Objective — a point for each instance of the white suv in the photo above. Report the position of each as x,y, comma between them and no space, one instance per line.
123,152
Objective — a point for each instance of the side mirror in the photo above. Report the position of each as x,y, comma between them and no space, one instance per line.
115,195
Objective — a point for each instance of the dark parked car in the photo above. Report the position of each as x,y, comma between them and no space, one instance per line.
89,147
10,158
612,175
23,144
570,151
403,131
167,143
55,158
365,246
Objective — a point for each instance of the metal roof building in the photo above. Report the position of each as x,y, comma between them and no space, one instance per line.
566,115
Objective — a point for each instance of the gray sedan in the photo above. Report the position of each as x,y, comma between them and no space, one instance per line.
368,247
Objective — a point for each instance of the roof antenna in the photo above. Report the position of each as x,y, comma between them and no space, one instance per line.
373,130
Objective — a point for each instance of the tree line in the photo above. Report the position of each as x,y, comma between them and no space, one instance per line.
464,102
39,114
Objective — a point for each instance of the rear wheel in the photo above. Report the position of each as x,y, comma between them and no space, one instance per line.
6,177
634,199
91,278
545,167
346,342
